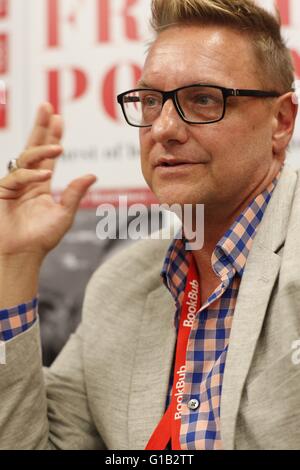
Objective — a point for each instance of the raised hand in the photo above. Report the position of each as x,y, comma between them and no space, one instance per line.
31,221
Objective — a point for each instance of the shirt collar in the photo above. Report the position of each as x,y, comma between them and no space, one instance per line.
233,248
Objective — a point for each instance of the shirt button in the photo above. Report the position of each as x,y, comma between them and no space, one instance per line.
193,404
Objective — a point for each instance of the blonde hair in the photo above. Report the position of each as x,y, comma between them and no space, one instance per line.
263,28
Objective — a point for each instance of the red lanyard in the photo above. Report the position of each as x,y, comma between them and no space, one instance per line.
169,426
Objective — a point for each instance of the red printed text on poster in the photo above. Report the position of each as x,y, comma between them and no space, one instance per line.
3,8
3,54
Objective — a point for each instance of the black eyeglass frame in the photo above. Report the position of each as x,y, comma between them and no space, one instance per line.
172,94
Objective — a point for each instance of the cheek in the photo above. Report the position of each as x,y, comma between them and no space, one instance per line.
145,148
234,142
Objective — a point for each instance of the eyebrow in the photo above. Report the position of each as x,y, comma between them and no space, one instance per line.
143,84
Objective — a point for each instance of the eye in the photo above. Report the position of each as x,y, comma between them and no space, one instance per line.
204,99
150,101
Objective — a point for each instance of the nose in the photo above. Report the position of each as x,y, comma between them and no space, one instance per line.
169,126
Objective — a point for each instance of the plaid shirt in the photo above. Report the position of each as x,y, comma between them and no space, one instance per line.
209,337
16,320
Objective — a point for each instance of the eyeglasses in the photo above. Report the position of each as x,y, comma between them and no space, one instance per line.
195,104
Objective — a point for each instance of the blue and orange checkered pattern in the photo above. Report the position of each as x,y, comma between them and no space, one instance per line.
16,320
209,337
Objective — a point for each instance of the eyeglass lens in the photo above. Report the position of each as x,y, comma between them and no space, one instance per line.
196,104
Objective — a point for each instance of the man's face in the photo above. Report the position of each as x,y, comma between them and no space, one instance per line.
227,160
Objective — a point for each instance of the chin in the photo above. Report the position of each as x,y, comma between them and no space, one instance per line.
174,196
193,189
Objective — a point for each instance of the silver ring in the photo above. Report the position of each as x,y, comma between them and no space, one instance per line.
13,165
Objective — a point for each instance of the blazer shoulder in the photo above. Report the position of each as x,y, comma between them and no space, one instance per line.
134,271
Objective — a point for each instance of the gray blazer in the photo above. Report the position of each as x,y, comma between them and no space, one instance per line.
107,389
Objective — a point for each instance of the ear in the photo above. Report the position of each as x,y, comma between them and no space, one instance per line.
284,118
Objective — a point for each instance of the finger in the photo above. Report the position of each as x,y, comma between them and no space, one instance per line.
34,156
19,179
41,125
73,194
55,130
54,136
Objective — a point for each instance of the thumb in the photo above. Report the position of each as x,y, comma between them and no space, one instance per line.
75,191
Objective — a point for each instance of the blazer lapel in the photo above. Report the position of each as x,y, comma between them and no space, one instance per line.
253,298
259,277
151,370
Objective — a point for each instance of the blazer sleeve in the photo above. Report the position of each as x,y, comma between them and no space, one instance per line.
45,408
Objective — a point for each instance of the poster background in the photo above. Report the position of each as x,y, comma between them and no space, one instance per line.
79,54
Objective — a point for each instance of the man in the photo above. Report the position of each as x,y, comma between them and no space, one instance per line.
216,111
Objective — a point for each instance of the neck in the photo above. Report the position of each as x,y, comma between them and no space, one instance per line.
217,220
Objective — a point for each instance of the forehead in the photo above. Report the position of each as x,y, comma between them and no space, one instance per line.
194,54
